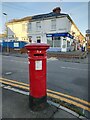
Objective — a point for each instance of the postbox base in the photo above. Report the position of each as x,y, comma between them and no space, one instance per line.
37,104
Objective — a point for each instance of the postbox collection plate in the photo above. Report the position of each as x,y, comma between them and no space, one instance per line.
38,65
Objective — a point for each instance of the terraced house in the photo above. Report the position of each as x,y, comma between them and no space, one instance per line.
55,28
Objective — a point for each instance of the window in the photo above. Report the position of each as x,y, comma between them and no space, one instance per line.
23,38
57,42
53,24
29,26
49,41
38,26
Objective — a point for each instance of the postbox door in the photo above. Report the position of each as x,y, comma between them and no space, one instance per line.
38,78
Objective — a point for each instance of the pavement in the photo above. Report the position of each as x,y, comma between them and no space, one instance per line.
16,105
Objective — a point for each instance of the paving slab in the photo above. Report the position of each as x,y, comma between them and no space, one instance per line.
0,103
15,105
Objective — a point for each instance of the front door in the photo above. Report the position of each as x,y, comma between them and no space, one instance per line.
39,41
64,45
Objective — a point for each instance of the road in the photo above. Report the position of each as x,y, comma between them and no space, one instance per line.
65,77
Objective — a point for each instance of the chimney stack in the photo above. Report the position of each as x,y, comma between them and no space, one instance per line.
57,10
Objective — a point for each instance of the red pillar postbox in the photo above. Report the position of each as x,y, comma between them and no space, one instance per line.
37,75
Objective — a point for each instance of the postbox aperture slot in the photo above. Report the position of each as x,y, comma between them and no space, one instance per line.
38,54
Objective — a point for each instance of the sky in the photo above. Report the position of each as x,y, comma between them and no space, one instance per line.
78,11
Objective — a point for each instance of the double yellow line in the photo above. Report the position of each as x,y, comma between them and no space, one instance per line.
60,96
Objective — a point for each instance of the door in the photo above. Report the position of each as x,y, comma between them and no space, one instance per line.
64,45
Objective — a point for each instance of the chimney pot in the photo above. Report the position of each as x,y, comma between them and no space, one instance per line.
57,10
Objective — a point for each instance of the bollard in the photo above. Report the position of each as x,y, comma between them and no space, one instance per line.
37,75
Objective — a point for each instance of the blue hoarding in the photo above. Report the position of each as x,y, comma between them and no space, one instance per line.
14,44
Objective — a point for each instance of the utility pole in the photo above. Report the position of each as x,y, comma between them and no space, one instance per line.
5,14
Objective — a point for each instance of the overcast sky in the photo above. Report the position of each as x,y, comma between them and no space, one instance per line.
77,10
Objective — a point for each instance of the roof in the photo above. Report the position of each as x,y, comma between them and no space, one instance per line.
22,19
48,15
36,17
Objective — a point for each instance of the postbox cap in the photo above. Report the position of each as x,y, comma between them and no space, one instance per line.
37,46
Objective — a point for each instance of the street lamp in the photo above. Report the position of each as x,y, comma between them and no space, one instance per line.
5,14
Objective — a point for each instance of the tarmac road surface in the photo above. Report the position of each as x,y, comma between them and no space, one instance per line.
65,77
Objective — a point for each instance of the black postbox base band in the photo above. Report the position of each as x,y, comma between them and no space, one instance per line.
37,104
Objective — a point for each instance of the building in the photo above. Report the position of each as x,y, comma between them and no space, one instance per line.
17,29
88,39
54,28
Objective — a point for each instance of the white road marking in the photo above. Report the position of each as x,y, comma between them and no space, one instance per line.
15,89
8,73
73,68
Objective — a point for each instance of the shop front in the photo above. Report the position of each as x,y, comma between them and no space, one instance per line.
59,40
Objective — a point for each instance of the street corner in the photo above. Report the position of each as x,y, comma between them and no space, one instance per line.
16,105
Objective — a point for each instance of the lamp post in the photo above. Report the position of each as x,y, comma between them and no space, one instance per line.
5,14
